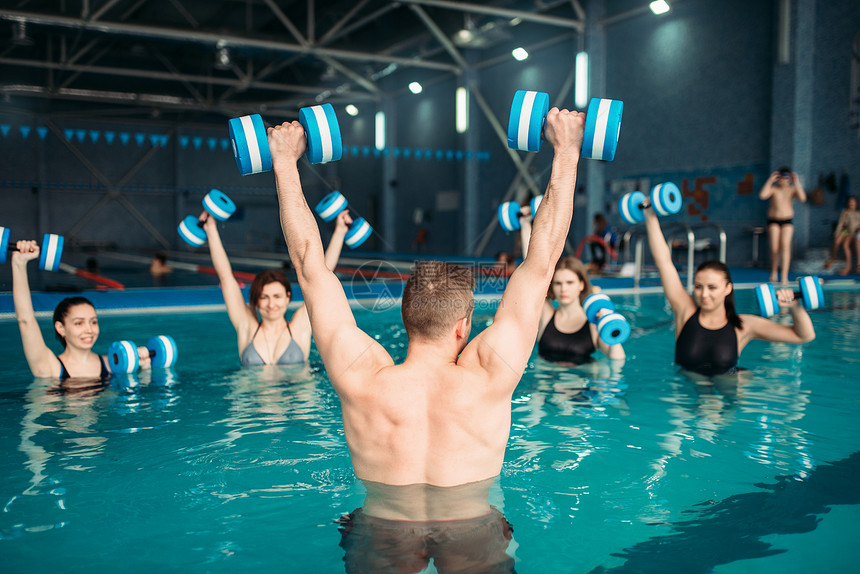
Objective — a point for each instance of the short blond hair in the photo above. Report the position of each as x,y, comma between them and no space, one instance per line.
435,297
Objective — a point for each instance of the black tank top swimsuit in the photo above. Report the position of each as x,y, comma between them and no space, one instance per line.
561,347
707,351
103,376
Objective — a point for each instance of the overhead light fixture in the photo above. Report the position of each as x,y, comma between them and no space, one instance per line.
461,110
352,110
380,131
222,59
519,54
659,6
415,88
19,35
580,90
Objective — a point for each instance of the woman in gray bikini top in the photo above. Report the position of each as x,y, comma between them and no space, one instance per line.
265,336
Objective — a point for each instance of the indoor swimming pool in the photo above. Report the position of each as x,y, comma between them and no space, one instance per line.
611,467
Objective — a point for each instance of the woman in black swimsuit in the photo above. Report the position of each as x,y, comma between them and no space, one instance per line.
709,334
564,334
76,326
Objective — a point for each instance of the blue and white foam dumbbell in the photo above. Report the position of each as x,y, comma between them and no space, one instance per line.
330,207
602,124
123,356
251,144
810,294
218,205
50,252
358,233
665,200
510,213
612,327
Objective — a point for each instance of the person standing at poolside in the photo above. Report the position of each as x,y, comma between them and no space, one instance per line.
781,188
443,416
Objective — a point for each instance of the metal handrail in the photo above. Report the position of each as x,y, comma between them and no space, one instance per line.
669,232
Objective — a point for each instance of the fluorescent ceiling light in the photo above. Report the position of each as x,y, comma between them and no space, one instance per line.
415,88
352,110
580,90
380,131
461,116
520,54
659,6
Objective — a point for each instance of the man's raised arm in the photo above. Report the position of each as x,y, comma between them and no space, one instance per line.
505,346
340,342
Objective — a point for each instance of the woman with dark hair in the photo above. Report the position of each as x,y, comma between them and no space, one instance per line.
564,334
265,337
76,326
709,333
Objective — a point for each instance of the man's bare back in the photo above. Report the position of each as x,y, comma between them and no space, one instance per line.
442,417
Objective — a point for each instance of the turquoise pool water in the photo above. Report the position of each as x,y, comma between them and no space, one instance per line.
609,468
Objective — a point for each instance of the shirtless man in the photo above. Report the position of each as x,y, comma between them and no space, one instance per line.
443,416
781,188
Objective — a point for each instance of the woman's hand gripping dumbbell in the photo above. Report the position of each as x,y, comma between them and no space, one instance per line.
510,213
334,204
665,199
49,253
770,299
217,205
126,357
612,327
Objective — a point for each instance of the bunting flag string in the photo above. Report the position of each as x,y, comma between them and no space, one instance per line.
223,144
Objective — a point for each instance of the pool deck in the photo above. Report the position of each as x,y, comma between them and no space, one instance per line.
362,289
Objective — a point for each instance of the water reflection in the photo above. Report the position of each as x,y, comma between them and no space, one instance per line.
419,527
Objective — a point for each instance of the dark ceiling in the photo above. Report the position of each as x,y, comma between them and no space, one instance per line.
203,60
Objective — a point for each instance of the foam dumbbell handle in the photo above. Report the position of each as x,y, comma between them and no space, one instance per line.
613,328
50,253
666,199
594,303
250,144
525,124
219,205
358,233
322,132
123,357
602,129
331,205
535,204
162,351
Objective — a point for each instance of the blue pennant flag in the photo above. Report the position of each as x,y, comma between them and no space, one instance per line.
109,137
183,141
124,137
140,138
225,144
94,135
154,140
198,141
165,139
42,131
5,129
81,135
211,142
25,131
70,134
